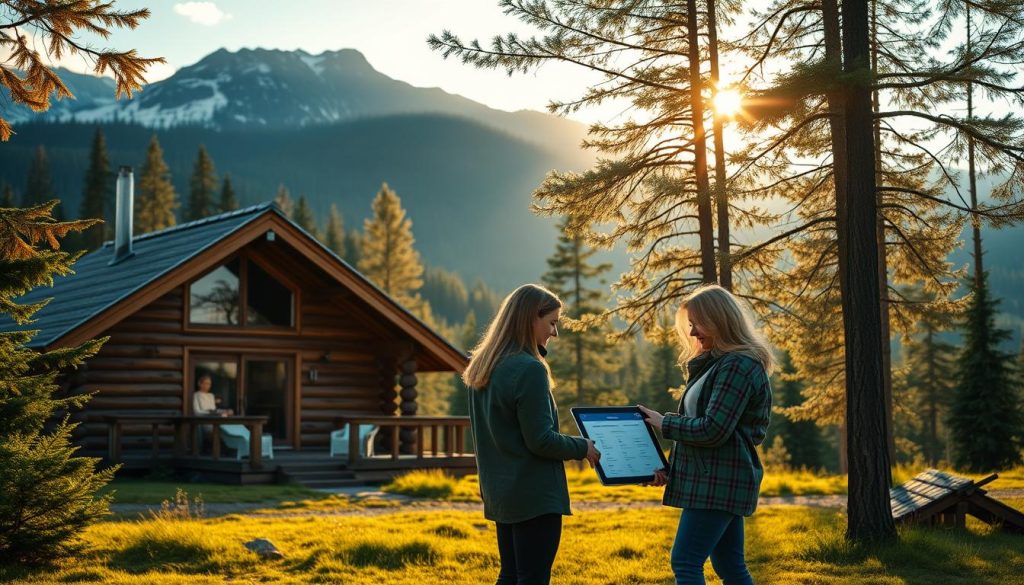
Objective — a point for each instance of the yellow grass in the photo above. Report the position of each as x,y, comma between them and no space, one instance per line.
787,545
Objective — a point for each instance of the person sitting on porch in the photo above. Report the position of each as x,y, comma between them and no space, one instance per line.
204,402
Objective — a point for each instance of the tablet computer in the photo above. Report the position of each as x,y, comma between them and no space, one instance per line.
629,450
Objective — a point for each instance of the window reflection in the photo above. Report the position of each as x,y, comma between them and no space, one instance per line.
215,298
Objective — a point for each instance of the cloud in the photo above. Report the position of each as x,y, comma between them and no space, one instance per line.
204,13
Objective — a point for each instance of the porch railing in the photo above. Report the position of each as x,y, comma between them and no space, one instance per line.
186,427
447,434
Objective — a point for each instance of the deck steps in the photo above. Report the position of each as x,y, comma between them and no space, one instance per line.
317,473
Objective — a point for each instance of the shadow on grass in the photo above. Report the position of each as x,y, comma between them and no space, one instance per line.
146,555
392,557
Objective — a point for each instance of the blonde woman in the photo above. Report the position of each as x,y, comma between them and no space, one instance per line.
519,451
714,472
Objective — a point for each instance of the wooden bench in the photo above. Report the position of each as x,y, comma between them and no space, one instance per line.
939,498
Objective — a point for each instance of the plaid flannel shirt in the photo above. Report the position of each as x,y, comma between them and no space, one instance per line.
714,465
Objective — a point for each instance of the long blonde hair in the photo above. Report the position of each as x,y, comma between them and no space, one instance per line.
726,320
511,331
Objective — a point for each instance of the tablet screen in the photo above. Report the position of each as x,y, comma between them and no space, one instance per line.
629,451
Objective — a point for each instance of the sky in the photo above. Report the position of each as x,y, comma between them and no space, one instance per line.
390,33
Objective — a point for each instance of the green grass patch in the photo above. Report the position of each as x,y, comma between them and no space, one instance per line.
138,491
423,483
786,545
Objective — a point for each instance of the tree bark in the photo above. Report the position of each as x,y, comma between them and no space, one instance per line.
721,196
705,224
971,176
869,515
834,56
883,262
578,293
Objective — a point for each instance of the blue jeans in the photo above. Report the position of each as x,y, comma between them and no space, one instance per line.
713,533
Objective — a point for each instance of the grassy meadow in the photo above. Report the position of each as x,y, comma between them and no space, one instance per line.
376,539
786,545
585,486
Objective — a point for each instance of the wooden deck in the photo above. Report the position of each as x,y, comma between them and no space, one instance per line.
441,444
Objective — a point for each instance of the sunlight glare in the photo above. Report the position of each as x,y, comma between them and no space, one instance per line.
728,102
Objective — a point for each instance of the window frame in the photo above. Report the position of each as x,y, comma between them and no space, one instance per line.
244,258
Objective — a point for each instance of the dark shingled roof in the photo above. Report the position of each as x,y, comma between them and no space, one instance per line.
96,286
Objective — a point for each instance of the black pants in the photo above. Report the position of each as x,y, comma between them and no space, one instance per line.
527,550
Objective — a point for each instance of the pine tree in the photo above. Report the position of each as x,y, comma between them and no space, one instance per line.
334,232
802,438
155,199
304,217
57,26
283,199
47,495
930,382
446,292
228,199
7,197
202,187
651,183
97,192
664,382
583,365
388,256
39,186
353,247
986,418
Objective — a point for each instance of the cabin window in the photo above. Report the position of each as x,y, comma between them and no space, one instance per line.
215,298
268,301
241,293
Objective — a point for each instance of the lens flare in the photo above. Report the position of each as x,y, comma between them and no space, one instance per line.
728,102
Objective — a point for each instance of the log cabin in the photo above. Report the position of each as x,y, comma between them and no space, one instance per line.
297,344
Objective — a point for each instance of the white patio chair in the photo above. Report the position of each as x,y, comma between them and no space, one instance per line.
237,437
339,440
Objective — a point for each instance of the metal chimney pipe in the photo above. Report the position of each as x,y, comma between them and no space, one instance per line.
123,216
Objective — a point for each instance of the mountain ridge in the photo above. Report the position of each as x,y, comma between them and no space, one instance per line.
272,88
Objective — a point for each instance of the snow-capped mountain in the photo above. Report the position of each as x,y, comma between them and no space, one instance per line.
272,89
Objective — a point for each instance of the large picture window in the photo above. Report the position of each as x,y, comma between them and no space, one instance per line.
242,293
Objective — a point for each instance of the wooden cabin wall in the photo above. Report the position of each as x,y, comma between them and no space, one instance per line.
142,368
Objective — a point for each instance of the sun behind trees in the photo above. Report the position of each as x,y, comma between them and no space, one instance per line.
867,206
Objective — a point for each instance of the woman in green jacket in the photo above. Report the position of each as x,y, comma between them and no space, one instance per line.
519,451
714,472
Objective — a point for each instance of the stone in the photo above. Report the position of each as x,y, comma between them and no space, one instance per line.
265,549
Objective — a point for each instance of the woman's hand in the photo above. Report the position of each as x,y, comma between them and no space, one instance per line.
593,455
660,478
651,417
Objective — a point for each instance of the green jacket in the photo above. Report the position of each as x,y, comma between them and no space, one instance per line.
519,451
714,464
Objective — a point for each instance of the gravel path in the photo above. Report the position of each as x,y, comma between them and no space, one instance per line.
395,503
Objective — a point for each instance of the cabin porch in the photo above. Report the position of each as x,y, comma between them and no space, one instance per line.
440,443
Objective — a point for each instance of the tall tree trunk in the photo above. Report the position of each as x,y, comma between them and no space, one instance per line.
933,407
883,263
705,225
869,514
836,99
971,176
721,196
577,244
